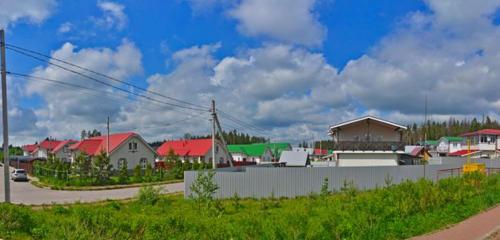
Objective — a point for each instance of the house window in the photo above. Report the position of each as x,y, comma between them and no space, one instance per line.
132,146
216,149
143,162
122,162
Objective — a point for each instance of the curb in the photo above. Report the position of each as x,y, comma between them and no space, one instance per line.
101,188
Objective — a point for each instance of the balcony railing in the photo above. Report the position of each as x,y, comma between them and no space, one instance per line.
369,146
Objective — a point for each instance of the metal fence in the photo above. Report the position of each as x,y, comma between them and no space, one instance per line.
262,182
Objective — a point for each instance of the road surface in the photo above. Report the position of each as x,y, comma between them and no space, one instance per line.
479,226
25,193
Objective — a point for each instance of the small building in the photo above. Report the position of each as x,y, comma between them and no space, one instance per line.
447,145
195,150
295,159
124,148
487,141
42,149
367,141
415,155
255,153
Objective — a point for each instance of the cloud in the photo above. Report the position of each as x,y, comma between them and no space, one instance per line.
65,110
33,11
65,27
286,21
113,16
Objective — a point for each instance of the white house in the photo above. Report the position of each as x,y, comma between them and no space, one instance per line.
447,145
195,150
487,141
124,148
62,151
367,141
295,158
257,153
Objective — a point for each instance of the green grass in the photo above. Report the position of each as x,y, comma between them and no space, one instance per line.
395,212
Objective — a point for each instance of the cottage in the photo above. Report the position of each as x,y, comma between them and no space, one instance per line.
367,141
415,155
62,150
124,148
447,145
195,150
256,153
42,149
29,150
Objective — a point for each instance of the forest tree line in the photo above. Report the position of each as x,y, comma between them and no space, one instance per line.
231,137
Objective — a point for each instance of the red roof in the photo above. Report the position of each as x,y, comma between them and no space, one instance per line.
191,148
318,151
49,144
62,144
483,132
461,153
30,147
95,145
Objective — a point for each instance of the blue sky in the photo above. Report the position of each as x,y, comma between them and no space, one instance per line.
289,68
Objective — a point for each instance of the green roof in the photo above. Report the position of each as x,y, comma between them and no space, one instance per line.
257,149
454,139
429,142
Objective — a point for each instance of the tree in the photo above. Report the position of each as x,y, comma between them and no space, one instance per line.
204,187
171,156
123,173
102,167
82,165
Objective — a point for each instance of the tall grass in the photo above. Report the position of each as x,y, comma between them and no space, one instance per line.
394,212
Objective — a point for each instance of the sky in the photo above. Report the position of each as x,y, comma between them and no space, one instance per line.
281,69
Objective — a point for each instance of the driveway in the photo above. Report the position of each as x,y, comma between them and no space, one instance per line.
25,193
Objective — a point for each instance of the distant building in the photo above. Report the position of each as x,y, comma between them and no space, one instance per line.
29,150
487,141
447,145
367,141
124,148
415,155
295,159
62,151
258,152
195,150
45,147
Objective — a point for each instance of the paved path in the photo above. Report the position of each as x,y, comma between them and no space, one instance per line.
476,227
24,192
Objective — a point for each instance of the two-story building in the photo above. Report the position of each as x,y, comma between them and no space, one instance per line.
485,141
367,141
124,148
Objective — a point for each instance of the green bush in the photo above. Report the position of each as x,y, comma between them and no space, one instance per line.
148,195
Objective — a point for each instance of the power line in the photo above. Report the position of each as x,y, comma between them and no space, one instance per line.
92,90
241,122
196,108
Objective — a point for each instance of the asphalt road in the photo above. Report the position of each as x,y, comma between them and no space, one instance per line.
25,193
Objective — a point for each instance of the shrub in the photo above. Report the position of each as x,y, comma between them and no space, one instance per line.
148,195
138,173
204,187
148,173
324,188
123,173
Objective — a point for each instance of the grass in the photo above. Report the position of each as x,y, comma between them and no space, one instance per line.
394,212
102,187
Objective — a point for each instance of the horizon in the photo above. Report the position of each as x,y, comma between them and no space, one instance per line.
286,76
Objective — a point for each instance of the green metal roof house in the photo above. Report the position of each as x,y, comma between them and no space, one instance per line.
258,152
449,144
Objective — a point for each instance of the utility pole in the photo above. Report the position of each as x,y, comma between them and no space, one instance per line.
107,139
214,164
5,118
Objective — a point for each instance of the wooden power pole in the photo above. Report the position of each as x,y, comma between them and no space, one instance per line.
214,164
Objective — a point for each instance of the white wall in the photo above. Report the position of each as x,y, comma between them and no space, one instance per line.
132,157
367,159
63,154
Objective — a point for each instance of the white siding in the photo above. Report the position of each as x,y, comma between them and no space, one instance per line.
133,157
367,159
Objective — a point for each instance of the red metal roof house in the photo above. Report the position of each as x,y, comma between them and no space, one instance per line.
124,148
195,150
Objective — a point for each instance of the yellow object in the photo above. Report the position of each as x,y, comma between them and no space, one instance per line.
474,167
470,167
